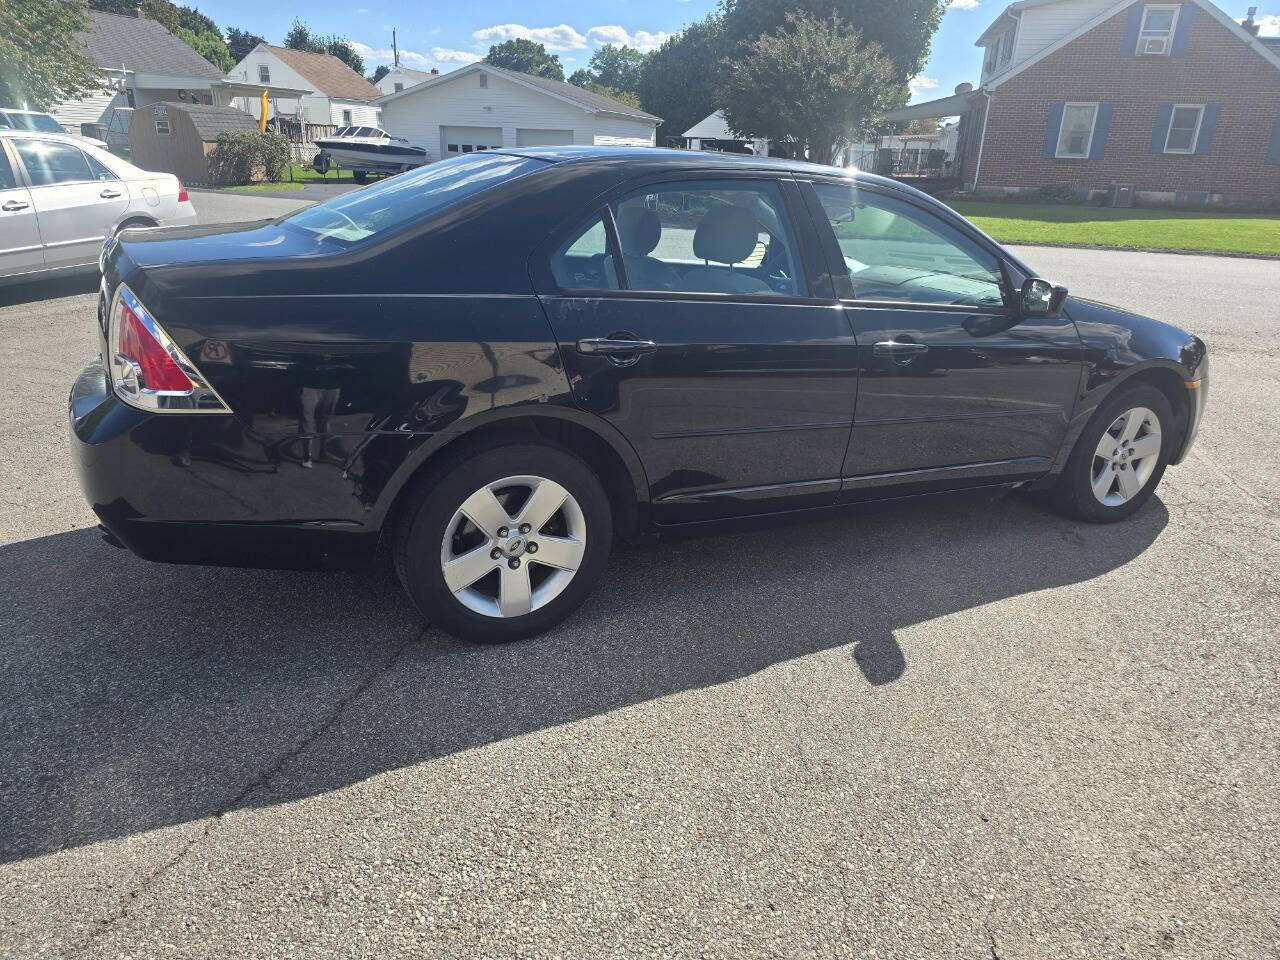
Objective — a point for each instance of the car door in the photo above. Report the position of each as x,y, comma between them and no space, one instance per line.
76,209
687,319
957,388
20,250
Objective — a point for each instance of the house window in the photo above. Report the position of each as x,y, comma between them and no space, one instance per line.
992,53
1076,136
1184,129
452,148
1156,36
399,86
162,127
264,73
379,120
484,80
346,118
1006,48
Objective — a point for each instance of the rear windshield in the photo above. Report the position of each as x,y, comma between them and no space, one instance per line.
36,121
392,203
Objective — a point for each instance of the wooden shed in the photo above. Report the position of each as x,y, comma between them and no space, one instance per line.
177,137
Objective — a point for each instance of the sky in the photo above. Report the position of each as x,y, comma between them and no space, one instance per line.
449,35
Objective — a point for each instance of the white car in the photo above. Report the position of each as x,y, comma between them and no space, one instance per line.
34,120
60,199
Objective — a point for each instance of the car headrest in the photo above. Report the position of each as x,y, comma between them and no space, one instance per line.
726,234
639,230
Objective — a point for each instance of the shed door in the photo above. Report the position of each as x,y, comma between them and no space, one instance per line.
531,137
456,140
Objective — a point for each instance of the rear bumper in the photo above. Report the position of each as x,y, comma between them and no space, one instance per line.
137,472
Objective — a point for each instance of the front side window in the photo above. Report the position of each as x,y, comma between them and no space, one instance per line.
583,262
727,237
48,162
264,73
896,252
1076,136
1184,129
1156,36
413,196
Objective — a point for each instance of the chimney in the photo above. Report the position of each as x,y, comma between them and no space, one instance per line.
137,11
1250,24
435,70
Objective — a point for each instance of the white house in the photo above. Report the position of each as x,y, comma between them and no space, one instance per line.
481,106
339,96
401,78
144,63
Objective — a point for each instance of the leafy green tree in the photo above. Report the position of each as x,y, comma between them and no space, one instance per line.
241,43
681,79
211,46
381,72
40,59
810,85
618,68
582,77
341,48
300,37
189,18
163,12
525,56
902,28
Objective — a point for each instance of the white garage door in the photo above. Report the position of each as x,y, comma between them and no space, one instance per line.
542,138
455,140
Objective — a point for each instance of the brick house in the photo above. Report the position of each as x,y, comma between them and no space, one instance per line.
1177,100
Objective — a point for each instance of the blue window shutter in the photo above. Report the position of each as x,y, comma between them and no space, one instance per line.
1182,32
1273,152
1051,132
1132,27
1208,124
1100,130
1164,114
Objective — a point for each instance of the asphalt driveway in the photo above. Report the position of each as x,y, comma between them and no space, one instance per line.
978,732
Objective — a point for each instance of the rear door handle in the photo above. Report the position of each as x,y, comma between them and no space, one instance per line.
10,206
109,194
898,348
605,345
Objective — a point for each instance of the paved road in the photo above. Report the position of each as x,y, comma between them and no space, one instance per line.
988,732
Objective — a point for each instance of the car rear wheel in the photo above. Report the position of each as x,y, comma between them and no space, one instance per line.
360,176
1120,457
506,543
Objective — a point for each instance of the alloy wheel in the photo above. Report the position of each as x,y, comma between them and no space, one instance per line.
1125,457
513,546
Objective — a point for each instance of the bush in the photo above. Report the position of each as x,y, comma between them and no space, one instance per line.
1058,193
248,157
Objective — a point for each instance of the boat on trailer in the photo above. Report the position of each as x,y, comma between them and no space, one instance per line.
365,150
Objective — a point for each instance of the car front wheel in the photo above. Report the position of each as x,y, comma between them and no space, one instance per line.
506,544
1120,457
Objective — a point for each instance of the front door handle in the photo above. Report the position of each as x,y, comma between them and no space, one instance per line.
607,345
11,206
898,349
109,194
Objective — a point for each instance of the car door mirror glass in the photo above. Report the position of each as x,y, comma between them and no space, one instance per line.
1040,298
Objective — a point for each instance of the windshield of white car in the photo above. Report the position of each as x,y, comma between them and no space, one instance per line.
41,122
411,196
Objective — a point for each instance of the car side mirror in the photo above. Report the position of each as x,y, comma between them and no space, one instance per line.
1040,298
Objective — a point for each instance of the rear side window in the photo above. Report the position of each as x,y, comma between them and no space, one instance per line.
99,169
48,162
584,262
412,196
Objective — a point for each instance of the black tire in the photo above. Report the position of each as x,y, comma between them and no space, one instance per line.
421,526
1075,495
360,176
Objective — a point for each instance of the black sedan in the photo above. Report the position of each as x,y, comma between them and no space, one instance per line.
490,367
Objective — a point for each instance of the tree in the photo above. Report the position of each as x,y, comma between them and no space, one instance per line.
211,46
811,84
40,58
381,72
902,28
300,37
618,68
525,56
162,11
681,79
341,48
188,24
241,43
582,77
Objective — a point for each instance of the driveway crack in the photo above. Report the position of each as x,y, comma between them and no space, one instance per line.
262,781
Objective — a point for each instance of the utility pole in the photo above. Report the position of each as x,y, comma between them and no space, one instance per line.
395,51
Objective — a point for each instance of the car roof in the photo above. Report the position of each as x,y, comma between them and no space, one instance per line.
42,135
16,110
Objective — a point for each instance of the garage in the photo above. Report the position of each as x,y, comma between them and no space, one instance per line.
527,137
482,107
469,139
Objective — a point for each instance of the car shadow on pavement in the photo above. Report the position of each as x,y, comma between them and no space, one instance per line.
40,290
135,696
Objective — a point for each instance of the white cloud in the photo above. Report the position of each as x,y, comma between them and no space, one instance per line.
1270,24
437,55
645,41
561,37
445,55
609,34
964,4
920,83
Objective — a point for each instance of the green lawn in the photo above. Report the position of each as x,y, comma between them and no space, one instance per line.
1135,229
305,173
263,187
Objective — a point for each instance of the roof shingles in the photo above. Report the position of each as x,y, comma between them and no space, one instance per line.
329,75
143,46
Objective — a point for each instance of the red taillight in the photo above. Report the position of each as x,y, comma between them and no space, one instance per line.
182,193
158,371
